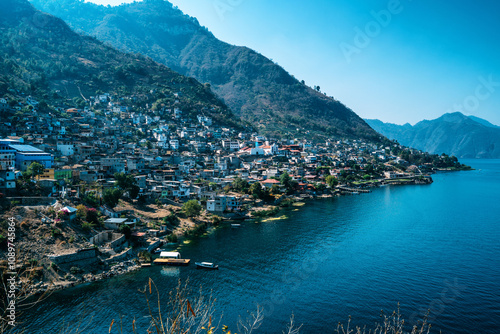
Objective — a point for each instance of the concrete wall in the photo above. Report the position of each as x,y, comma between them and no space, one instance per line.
88,255
120,257
34,200
116,240
116,244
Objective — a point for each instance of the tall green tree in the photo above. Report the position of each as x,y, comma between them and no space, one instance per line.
331,181
289,183
127,183
35,169
112,196
191,208
256,190
240,185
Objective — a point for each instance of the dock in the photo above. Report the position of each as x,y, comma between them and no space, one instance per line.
354,190
172,262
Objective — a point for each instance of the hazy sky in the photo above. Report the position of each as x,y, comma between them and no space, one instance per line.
398,61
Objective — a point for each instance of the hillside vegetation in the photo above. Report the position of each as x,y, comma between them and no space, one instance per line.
41,56
255,88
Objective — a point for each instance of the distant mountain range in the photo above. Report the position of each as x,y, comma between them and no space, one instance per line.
453,134
41,56
259,91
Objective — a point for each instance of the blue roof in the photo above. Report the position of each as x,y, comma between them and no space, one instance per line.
25,148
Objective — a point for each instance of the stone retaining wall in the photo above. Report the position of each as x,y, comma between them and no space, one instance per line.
83,256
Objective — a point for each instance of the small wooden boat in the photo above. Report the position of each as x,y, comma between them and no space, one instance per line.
206,265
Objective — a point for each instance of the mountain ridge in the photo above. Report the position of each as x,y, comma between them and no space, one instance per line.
452,133
43,57
259,91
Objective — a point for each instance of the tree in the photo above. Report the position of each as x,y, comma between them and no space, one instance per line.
240,185
35,169
91,199
81,212
125,230
256,190
191,208
127,183
331,181
171,219
320,186
92,216
285,179
111,197
275,189
288,182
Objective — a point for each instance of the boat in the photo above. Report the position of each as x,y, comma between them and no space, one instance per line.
206,265
172,262
235,225
171,259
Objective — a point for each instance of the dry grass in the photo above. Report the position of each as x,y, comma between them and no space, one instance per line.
393,324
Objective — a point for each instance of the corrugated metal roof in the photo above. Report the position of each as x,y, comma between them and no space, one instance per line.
25,148
116,220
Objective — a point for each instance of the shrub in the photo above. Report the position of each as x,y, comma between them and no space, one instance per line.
172,237
265,213
74,270
86,226
56,232
171,219
81,212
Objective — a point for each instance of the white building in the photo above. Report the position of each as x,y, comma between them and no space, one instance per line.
66,148
218,204
174,144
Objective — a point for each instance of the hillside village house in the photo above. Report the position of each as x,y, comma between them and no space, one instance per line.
27,154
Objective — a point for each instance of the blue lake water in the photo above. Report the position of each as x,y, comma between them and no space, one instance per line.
427,247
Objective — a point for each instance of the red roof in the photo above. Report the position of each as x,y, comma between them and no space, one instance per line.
273,181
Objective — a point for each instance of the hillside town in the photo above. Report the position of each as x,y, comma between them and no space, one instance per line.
96,166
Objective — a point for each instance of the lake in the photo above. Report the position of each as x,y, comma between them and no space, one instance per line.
425,246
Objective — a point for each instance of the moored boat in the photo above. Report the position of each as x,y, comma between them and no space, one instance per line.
172,262
206,265
171,259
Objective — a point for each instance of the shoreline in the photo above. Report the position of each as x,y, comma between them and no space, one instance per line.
134,264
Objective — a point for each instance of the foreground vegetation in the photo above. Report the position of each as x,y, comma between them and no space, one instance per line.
188,311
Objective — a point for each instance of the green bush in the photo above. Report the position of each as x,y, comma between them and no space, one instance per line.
86,226
172,237
191,208
74,270
171,219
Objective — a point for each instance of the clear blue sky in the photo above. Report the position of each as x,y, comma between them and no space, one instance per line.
426,59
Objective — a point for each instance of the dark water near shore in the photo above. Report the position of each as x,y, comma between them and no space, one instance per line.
428,247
